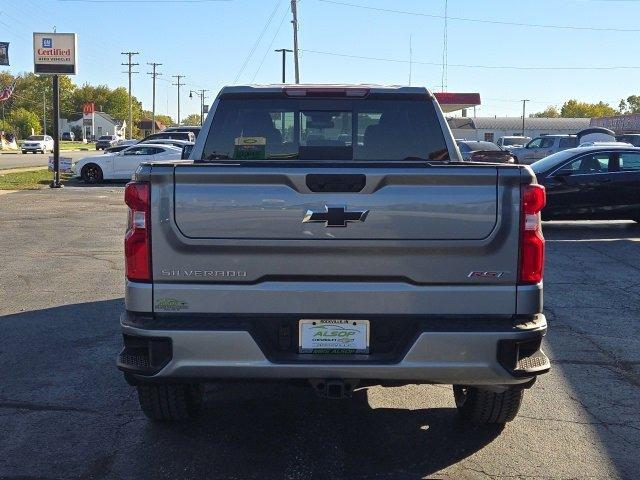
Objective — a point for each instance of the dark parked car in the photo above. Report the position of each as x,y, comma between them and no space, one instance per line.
185,128
68,136
591,183
106,141
478,151
632,138
170,135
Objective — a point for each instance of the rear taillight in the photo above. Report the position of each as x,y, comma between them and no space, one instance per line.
137,240
531,240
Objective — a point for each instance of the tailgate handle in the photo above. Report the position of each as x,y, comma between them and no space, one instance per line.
336,183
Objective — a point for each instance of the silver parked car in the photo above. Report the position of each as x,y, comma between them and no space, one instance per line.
544,146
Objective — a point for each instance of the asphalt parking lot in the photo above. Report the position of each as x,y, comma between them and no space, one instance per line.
20,160
66,412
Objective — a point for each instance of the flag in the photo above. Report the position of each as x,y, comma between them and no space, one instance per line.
4,53
6,92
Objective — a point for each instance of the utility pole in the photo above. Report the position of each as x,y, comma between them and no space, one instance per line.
56,133
154,75
130,65
524,109
284,62
294,11
44,111
178,84
199,93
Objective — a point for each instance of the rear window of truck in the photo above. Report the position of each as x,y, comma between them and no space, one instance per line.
279,128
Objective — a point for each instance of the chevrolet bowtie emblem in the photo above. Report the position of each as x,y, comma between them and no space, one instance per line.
335,216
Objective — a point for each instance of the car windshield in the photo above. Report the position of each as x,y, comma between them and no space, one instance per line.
375,128
552,160
514,141
36,137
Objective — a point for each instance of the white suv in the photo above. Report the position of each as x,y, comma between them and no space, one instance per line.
38,143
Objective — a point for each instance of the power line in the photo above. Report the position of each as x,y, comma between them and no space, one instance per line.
478,20
286,12
257,42
460,65
144,1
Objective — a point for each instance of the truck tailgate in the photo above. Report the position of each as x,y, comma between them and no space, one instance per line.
425,204
232,239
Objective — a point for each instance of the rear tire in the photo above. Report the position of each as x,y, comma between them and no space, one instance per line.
170,402
91,173
484,407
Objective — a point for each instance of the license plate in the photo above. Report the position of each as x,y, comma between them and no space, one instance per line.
333,336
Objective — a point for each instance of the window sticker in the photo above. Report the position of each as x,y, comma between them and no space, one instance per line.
250,148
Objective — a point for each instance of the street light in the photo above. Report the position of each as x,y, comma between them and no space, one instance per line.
284,62
202,96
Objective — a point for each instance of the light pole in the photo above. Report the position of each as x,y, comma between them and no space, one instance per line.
202,96
284,62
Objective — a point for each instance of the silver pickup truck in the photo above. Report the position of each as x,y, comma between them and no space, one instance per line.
332,235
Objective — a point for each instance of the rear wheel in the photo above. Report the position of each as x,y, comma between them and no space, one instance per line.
171,402
481,406
91,173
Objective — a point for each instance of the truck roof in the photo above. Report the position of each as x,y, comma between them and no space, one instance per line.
280,87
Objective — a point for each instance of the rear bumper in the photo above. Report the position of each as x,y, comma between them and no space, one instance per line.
506,355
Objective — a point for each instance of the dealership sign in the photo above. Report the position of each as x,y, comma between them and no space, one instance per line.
54,53
4,53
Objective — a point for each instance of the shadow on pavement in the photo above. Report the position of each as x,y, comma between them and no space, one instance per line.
593,313
69,413
77,182
289,433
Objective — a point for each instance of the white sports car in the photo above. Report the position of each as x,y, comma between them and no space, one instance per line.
121,165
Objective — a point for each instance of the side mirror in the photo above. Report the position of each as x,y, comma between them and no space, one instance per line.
186,152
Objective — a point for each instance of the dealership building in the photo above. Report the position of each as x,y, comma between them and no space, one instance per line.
492,128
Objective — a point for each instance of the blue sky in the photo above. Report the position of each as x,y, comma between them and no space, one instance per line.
210,41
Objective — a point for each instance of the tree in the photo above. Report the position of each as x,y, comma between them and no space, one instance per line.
549,112
166,120
575,109
630,105
193,119
5,126
24,121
